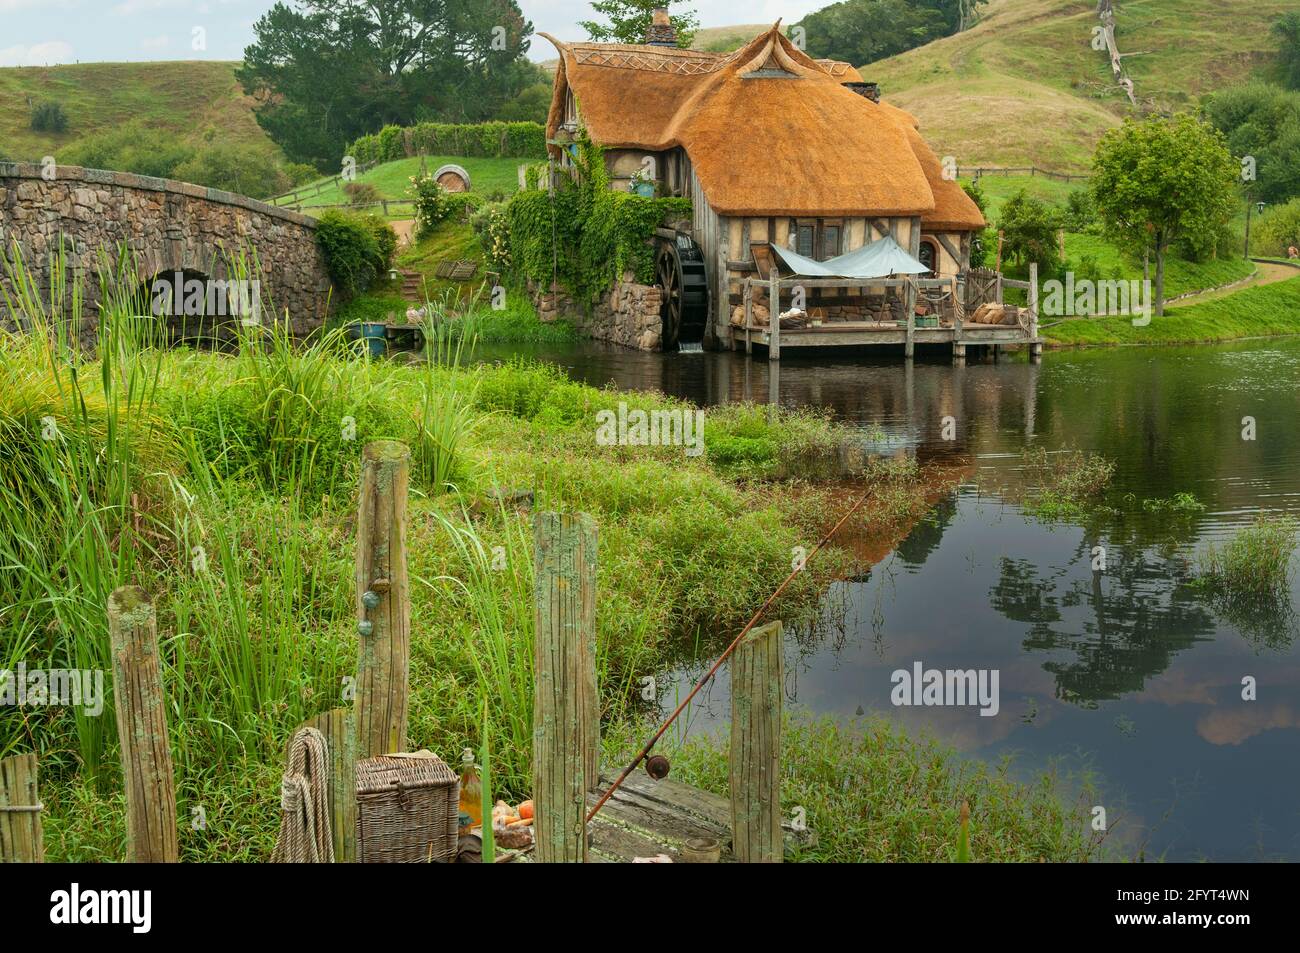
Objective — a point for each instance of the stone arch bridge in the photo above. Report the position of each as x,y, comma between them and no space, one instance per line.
168,227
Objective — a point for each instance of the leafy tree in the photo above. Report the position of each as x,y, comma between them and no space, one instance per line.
1262,121
1287,29
979,246
1161,180
1029,228
863,31
630,19
328,71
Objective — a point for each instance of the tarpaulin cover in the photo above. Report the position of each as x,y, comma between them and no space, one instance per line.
880,259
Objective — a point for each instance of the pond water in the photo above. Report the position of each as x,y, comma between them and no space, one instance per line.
1129,675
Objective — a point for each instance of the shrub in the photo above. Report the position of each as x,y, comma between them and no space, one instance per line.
1080,211
49,117
300,173
1277,230
435,205
233,169
130,148
491,224
1030,229
361,193
352,252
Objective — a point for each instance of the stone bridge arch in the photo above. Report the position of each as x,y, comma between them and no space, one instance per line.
168,227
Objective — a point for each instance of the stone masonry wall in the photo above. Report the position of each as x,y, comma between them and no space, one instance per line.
628,314
166,225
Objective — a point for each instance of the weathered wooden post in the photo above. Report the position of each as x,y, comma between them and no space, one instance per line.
142,729
566,725
959,313
774,317
383,600
340,730
756,685
20,812
1035,347
909,303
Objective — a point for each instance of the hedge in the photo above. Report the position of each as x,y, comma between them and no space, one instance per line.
488,140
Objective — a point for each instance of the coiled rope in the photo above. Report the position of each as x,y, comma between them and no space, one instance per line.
304,802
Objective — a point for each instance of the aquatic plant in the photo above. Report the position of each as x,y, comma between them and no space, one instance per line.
1256,562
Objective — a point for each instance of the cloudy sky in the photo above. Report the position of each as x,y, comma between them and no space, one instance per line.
39,32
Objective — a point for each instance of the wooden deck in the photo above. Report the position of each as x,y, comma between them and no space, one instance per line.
646,817
846,333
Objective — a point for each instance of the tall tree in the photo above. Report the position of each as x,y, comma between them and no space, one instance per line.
863,31
1161,180
327,71
630,19
1262,121
1287,29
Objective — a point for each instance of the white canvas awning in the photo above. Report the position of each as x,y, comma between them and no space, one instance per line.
881,259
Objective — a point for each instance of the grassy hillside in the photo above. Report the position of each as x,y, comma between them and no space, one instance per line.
393,180
191,100
1025,85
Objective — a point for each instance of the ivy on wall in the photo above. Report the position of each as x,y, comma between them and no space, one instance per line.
585,236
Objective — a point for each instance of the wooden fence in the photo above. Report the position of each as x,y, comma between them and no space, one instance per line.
566,762
317,187
1030,170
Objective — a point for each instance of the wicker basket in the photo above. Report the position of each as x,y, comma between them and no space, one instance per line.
408,810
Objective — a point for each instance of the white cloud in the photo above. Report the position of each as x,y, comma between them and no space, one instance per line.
38,54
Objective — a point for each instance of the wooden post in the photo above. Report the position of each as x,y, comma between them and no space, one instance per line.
142,729
1035,347
20,812
756,686
909,302
383,600
566,727
339,726
774,317
749,314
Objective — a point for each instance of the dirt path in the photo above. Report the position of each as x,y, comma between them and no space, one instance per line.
1266,273
405,230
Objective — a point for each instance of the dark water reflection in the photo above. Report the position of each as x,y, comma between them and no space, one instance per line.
1129,674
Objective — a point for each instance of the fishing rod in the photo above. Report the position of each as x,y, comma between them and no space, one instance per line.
649,745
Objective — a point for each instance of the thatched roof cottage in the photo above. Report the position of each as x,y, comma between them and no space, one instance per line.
770,145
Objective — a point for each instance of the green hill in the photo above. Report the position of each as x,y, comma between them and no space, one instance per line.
191,100
1025,85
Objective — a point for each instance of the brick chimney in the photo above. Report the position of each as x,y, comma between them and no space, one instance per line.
661,32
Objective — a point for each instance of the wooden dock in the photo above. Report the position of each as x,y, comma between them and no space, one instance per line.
646,818
960,292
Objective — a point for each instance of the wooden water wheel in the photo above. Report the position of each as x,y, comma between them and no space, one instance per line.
684,284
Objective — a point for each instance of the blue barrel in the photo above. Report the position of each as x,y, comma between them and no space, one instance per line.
376,336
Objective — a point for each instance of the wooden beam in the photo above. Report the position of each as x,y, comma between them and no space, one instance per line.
566,731
757,683
383,600
142,729
21,841
947,245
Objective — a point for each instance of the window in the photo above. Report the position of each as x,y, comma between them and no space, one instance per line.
818,239
928,256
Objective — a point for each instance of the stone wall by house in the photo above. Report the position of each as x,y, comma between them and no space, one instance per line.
628,314
166,227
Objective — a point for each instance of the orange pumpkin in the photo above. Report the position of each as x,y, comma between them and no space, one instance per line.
526,809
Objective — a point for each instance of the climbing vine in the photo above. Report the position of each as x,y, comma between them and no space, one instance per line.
583,235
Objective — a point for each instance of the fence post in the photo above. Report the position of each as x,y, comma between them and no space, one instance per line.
756,686
339,727
383,600
774,315
566,726
142,729
1035,348
20,812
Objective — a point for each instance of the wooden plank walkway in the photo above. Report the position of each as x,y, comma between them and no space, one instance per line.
646,817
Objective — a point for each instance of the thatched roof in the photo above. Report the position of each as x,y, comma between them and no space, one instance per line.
769,130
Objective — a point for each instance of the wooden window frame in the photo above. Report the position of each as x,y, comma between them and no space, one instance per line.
819,227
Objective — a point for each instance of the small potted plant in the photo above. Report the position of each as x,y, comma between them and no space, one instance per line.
642,184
